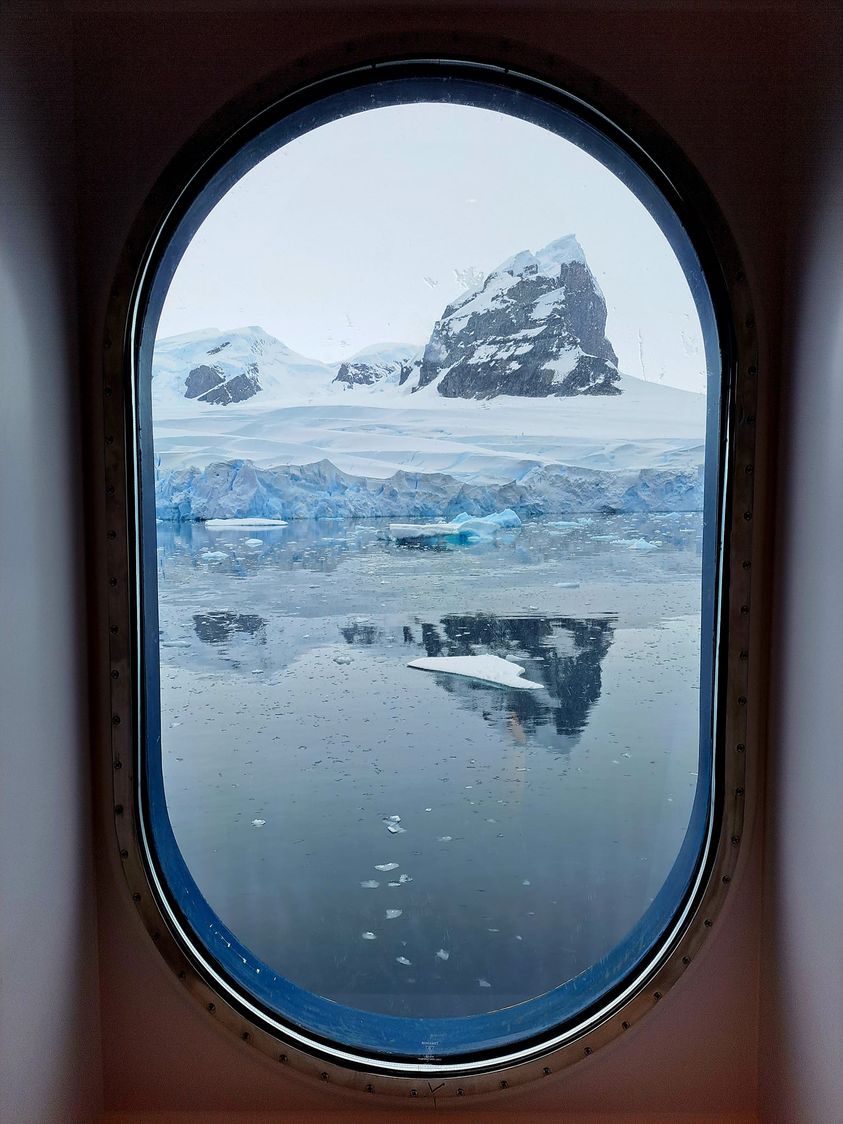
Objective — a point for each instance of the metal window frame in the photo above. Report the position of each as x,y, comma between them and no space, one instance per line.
228,1004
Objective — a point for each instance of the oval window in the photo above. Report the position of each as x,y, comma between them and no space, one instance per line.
429,409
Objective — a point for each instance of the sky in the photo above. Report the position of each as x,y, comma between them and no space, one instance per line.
364,229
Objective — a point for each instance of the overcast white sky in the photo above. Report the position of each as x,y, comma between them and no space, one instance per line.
356,233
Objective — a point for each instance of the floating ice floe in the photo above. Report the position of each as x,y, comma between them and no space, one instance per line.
387,866
258,823
567,585
403,960
489,669
370,884
484,983
393,825
254,523
403,879
253,542
442,954
368,936
213,556
463,526
643,544
445,839
391,914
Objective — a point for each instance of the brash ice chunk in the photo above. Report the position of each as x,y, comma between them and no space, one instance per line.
487,668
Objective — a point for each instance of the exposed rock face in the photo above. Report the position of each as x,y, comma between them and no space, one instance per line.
210,385
236,389
536,327
202,379
386,363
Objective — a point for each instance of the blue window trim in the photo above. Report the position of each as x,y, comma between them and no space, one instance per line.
532,1024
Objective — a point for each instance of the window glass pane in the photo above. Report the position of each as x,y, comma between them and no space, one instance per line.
431,369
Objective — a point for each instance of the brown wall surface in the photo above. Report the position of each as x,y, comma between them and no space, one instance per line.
745,90
801,1046
49,1020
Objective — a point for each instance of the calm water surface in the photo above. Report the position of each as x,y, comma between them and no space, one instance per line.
535,826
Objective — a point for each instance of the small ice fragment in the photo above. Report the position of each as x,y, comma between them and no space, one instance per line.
342,659
387,866
442,954
526,882
391,914
214,556
567,585
518,938
258,823
370,884
445,838
403,960
395,829
368,936
394,819
253,542
428,809
493,930
393,884
484,983
404,878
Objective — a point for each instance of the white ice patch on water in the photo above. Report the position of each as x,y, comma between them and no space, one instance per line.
391,914
255,523
368,936
442,954
403,960
214,556
258,823
488,668
370,884
387,866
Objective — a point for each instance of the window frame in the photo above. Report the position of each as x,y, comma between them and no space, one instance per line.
225,133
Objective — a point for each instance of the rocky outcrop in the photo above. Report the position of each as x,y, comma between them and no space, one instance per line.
536,327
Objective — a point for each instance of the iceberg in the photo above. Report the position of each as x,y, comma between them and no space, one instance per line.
487,668
463,526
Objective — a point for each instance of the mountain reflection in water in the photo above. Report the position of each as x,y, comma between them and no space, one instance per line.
563,653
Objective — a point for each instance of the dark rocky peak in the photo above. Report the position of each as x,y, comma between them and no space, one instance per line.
536,327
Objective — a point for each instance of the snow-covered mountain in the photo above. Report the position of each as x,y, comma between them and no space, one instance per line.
536,327
387,364
213,368
516,401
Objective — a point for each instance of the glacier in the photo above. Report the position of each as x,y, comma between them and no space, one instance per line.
238,489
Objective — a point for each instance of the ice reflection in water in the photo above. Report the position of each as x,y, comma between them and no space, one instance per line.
537,826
